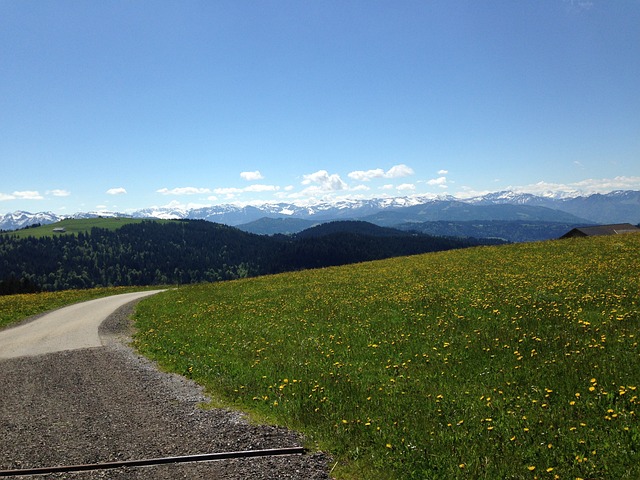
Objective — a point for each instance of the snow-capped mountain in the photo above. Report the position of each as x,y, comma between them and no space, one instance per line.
101,214
614,207
620,206
20,219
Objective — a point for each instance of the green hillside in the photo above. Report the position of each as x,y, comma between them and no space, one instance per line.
73,226
517,361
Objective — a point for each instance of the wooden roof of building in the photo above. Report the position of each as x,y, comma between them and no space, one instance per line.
615,229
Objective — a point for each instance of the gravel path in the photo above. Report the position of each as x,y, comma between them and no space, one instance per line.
108,404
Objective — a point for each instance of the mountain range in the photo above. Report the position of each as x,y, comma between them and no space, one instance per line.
506,206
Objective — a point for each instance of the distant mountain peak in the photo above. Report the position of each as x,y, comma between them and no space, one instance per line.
21,219
616,207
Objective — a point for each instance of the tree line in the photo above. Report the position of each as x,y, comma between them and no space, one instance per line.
183,252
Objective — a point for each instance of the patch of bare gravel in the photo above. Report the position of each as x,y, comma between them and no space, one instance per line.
109,404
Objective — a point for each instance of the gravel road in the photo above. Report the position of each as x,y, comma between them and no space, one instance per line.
69,328
106,403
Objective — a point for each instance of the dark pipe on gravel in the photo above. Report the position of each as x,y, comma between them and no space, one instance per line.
206,457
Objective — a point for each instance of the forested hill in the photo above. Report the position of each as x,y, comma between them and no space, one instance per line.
350,226
181,252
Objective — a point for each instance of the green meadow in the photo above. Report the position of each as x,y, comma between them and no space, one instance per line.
74,226
518,361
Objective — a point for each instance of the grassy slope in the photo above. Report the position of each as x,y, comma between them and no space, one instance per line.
518,361
74,226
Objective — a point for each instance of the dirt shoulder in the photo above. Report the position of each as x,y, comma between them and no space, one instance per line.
108,404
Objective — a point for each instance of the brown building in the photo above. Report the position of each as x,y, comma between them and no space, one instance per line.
616,229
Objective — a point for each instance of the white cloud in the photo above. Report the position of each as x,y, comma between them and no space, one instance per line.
608,184
251,188
405,187
32,195
583,187
59,193
443,172
396,171
440,181
227,191
261,188
27,195
366,175
468,192
578,6
175,204
116,191
324,182
251,176
184,191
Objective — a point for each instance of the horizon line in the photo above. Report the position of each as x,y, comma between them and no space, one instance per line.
175,205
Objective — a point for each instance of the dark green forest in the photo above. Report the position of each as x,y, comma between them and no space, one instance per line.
193,251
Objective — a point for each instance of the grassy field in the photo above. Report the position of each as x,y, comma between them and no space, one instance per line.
74,226
518,361
14,308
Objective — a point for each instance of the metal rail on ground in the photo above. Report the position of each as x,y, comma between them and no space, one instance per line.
206,457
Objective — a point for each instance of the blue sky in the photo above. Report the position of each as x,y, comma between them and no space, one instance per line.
119,105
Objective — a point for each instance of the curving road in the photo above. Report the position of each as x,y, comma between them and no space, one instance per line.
69,328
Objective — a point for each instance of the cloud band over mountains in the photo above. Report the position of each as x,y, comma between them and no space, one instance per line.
325,185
